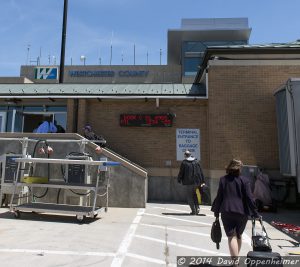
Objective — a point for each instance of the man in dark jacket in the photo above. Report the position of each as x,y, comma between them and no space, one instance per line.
191,176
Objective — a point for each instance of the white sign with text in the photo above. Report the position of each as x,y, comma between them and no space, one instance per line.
188,139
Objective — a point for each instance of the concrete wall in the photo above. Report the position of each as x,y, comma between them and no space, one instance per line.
128,182
167,189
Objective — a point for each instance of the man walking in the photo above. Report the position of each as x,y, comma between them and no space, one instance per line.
190,175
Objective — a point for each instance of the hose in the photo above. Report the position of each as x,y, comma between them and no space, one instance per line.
48,168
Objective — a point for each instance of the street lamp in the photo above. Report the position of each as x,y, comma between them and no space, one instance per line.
83,58
63,43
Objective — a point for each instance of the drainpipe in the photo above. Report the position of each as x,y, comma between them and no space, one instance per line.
157,102
75,115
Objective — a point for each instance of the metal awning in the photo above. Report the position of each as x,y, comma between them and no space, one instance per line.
102,91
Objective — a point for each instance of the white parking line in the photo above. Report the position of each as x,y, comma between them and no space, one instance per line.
177,230
148,259
180,245
177,219
246,237
121,253
58,252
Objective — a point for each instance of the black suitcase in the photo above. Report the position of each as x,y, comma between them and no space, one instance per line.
263,259
262,256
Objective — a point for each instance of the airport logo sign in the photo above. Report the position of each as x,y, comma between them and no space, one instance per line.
46,73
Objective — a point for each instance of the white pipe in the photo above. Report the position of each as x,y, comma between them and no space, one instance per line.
206,83
48,140
13,121
63,161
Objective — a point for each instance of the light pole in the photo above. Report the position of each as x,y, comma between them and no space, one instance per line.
28,53
83,58
160,54
63,43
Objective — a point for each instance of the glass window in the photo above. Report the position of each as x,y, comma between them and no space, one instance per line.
220,43
57,108
18,127
2,121
192,61
25,118
193,47
191,66
60,120
35,109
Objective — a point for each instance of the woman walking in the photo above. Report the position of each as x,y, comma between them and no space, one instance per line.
235,202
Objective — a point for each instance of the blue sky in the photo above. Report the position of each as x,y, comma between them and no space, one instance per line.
94,24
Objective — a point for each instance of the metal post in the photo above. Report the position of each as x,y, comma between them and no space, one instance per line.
160,53
133,54
63,43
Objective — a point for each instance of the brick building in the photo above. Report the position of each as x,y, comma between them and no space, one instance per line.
228,100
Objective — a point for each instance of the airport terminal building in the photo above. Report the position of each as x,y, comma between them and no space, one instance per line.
214,97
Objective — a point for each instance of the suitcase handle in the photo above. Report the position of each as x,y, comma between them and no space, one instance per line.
262,226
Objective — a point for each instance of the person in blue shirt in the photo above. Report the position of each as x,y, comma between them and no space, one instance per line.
47,126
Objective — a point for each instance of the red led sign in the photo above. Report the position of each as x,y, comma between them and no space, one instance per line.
146,120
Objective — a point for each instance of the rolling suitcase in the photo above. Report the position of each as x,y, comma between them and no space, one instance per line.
263,259
262,255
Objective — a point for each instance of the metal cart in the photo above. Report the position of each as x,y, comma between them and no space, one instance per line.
80,211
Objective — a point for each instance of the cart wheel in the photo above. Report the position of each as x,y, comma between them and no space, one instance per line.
17,214
95,215
80,218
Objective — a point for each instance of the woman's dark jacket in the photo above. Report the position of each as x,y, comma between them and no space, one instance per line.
234,195
190,172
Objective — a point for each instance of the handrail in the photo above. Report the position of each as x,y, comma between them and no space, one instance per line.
51,137
67,161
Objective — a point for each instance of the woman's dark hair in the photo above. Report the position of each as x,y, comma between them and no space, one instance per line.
234,167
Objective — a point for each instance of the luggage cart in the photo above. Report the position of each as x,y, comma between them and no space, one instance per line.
80,211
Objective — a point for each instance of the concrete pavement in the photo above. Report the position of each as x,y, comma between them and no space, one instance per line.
154,236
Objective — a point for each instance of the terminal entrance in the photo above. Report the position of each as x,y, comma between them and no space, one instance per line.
27,118
32,122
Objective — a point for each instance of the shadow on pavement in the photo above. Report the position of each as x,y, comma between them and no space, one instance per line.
43,217
182,214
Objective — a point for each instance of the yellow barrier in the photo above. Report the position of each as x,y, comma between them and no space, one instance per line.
34,180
